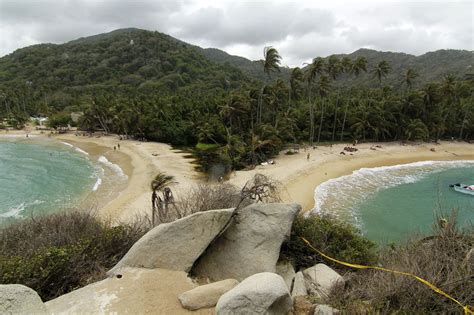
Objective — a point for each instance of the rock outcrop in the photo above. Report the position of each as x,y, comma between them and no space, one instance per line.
251,244
262,293
322,279
206,295
137,291
287,272
19,299
176,245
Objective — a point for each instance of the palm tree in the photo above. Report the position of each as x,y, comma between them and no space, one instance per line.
356,67
448,91
381,70
296,78
323,90
160,183
359,65
408,78
315,68
271,63
346,64
334,69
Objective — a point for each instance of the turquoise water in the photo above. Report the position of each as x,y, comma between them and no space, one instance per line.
389,204
41,176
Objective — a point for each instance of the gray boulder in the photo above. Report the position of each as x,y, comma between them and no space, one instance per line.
251,244
287,272
262,293
299,286
322,279
324,309
19,299
176,245
206,295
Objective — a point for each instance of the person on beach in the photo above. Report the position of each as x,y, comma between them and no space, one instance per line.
118,146
307,156
115,148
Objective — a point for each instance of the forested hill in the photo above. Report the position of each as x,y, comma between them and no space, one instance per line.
123,60
249,67
430,67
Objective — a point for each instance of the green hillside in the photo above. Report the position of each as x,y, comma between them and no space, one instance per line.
122,61
431,67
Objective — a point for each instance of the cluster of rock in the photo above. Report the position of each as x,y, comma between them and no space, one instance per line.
236,252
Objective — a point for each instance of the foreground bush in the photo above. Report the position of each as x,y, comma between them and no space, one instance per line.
441,259
58,253
335,238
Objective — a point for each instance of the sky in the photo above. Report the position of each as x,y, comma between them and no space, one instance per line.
300,30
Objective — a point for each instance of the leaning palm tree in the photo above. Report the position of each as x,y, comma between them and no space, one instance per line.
381,70
271,63
160,183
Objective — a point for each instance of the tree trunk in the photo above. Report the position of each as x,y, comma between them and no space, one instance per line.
321,121
344,121
335,118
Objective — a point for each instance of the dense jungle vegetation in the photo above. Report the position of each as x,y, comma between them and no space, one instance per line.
149,85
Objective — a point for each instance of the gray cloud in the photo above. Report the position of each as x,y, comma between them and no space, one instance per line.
300,30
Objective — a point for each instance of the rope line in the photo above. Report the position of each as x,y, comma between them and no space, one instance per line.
466,308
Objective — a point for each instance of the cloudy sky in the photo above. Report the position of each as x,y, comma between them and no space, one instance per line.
300,30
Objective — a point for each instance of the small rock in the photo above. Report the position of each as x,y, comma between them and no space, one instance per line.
206,295
324,309
176,245
299,286
322,278
287,272
262,293
251,244
19,299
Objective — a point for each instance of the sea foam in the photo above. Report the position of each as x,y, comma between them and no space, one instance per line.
75,148
117,169
15,212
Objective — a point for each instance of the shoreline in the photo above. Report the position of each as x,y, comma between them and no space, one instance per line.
298,177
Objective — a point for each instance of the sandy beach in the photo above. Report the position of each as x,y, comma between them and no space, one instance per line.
141,161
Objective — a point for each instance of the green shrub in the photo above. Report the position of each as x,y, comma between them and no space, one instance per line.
334,238
58,253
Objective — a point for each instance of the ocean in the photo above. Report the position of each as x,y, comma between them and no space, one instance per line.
390,204
40,176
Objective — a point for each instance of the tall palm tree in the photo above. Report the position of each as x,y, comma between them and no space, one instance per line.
334,68
358,66
346,64
448,92
408,78
271,63
159,184
381,70
296,78
323,90
315,68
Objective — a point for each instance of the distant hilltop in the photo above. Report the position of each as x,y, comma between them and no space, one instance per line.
159,60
